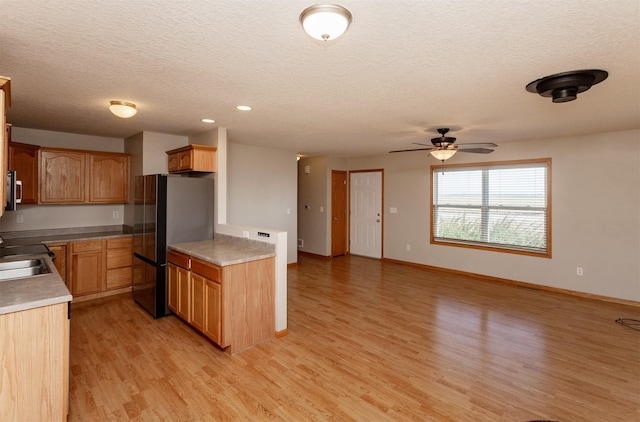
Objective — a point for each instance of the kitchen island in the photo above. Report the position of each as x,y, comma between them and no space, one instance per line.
34,350
224,288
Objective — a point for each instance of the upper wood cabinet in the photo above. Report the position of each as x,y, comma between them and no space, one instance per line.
192,158
76,177
62,176
108,177
5,102
23,158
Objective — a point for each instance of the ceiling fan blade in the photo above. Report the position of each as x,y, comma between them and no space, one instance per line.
420,143
476,150
415,149
477,145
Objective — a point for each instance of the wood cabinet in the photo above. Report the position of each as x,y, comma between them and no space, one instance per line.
233,305
60,249
119,262
23,158
77,177
35,364
62,176
178,280
86,267
99,265
5,102
192,158
108,178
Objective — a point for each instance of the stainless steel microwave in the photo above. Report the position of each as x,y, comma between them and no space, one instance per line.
14,191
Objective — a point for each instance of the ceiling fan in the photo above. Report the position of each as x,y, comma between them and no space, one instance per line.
444,148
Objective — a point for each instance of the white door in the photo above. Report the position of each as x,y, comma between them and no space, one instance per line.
366,214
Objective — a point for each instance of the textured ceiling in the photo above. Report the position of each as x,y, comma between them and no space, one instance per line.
403,69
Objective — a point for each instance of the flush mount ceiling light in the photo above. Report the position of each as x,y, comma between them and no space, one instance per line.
123,109
325,21
208,121
564,87
243,108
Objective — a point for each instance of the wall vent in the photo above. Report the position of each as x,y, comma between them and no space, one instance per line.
301,243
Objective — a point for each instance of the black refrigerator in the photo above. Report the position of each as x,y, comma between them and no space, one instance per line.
167,209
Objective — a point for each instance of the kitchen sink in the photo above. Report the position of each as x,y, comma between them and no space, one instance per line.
22,268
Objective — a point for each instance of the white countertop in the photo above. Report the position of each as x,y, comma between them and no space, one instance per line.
21,294
222,252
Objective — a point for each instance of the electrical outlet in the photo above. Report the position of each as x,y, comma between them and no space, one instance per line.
579,271
408,247
245,233
19,218
116,214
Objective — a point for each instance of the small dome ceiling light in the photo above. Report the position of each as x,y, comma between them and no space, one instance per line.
123,109
564,87
243,108
208,121
325,22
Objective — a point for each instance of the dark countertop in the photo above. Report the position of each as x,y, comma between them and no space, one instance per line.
63,235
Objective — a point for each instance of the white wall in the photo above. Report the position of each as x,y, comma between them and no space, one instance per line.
262,190
595,214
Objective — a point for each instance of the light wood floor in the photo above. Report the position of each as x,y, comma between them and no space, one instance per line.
368,341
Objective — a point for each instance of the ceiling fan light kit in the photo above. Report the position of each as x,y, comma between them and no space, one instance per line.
444,148
565,87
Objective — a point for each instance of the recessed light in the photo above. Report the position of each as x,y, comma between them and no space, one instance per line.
208,121
243,108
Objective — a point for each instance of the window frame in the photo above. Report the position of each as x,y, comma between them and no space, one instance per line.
488,246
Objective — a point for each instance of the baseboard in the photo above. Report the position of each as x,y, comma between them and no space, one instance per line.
282,333
113,292
313,255
521,283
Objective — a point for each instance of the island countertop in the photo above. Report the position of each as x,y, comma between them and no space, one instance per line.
21,294
223,252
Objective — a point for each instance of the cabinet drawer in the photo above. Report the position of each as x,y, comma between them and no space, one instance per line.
205,269
117,258
120,242
180,259
119,277
86,246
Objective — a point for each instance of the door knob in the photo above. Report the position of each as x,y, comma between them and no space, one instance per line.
378,220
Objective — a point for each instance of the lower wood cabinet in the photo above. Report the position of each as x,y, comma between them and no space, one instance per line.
233,305
60,250
86,267
35,364
99,265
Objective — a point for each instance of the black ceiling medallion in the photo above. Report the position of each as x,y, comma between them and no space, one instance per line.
566,86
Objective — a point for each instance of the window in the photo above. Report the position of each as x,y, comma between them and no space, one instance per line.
496,206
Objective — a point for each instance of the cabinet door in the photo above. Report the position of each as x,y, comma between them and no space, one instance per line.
172,284
173,162
60,249
108,178
62,177
86,269
5,100
23,158
213,312
197,301
184,294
